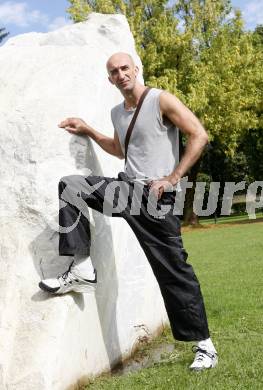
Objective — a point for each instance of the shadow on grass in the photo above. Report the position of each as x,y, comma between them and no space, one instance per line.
188,228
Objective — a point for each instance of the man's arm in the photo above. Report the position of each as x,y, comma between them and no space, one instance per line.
79,127
197,138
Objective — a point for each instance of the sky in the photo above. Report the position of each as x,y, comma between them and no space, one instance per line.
21,16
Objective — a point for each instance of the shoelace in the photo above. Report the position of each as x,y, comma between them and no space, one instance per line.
67,276
201,353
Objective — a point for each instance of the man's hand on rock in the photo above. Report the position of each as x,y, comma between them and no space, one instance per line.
75,126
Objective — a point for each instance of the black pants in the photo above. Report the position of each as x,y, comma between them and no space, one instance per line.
160,239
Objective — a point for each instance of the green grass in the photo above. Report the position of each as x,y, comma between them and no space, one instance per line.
228,263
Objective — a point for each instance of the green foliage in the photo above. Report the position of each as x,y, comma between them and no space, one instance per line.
79,10
224,79
252,146
258,36
203,18
245,161
223,167
210,63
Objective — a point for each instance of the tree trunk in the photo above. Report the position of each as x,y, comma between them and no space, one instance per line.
189,217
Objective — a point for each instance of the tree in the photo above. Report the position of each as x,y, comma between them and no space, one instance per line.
258,36
210,62
3,34
252,140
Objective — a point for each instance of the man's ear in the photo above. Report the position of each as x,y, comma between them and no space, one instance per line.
136,69
110,80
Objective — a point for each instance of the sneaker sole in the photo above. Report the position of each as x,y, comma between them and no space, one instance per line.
78,289
213,365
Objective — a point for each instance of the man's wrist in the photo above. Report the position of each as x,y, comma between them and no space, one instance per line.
175,178
84,129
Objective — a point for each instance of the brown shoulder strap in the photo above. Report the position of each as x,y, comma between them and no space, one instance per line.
131,125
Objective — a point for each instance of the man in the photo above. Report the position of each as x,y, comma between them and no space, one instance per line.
152,171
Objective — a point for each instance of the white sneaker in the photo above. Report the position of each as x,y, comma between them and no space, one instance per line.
203,359
69,281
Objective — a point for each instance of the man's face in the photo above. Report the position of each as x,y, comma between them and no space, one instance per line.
122,72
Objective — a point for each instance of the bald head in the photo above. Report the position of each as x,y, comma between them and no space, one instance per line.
122,71
119,57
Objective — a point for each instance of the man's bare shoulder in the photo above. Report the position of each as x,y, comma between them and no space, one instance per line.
168,101
167,97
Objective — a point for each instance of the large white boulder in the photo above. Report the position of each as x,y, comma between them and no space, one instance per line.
49,342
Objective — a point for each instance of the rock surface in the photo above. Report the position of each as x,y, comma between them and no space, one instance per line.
49,342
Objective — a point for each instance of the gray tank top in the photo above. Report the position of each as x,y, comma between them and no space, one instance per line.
153,150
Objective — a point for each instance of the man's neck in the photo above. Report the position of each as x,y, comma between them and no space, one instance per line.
131,98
